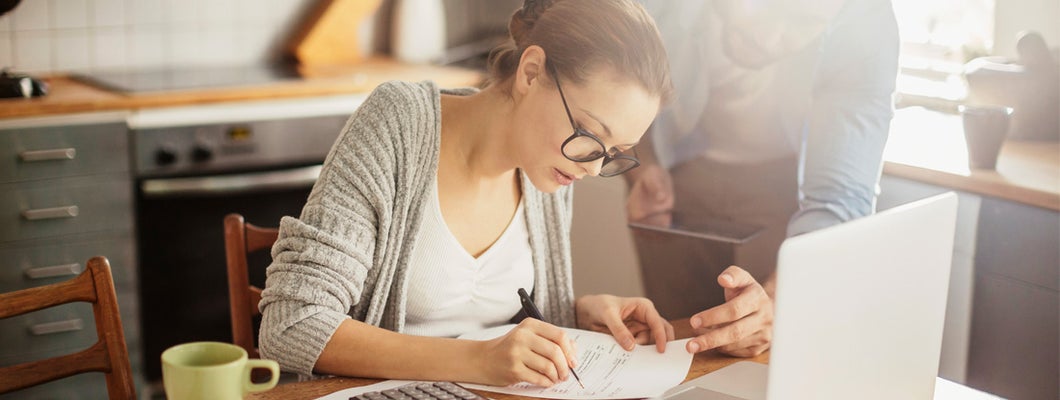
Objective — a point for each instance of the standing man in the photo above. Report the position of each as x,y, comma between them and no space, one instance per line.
781,116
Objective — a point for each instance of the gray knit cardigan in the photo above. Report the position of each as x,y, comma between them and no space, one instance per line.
348,254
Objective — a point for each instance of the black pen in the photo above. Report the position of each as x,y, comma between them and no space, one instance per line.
531,311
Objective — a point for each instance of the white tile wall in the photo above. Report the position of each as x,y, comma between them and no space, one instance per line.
144,12
33,50
5,24
183,12
72,49
109,48
108,13
32,15
43,36
69,14
146,45
6,52
218,13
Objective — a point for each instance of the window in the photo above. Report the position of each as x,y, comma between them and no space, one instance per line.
938,37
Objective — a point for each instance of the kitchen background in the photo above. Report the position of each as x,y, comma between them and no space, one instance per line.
42,36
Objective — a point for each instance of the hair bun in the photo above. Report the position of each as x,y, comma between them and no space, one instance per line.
525,18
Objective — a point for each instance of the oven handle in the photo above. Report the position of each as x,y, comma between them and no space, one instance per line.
294,178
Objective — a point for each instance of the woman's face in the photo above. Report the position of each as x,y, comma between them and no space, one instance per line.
615,109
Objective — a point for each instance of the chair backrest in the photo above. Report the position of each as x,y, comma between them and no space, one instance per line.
241,239
108,355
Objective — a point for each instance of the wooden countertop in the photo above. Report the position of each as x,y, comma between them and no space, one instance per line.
71,96
929,147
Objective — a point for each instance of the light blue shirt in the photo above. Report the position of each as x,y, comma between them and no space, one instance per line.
830,104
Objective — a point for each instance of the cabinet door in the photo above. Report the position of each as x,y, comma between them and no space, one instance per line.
90,386
1015,331
48,261
52,152
57,207
1014,339
62,330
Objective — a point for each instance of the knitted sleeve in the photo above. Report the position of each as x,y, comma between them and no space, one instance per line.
322,259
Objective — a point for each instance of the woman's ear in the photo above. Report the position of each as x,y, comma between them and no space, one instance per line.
531,68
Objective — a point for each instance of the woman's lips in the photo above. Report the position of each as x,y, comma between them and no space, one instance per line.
562,178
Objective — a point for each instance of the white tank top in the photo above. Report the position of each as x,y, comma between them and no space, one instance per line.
450,292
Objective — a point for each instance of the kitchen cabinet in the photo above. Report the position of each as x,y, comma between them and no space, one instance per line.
65,196
1015,334
1001,331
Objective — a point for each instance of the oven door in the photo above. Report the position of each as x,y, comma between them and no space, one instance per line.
183,281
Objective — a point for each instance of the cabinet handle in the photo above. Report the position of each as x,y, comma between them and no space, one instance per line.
53,271
48,328
51,213
48,155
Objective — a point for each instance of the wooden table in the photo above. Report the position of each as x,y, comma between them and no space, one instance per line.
702,363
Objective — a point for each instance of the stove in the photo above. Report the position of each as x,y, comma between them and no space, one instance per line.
173,79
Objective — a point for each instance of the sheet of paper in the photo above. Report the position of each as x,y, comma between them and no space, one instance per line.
607,370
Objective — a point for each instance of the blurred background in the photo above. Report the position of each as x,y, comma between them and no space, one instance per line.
1000,342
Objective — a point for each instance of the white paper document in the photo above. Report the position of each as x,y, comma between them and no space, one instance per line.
606,369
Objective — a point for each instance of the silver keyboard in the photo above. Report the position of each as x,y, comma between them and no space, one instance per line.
422,391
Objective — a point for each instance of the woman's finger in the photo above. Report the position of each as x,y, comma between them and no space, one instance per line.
558,337
531,372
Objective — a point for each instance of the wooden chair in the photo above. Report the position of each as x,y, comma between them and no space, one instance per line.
108,355
241,239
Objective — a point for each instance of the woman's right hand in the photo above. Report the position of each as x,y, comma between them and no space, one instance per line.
535,352
651,196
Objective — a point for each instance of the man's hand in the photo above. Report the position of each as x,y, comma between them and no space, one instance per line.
741,327
651,194
631,320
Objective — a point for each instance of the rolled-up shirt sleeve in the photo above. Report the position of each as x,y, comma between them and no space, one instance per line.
849,120
322,259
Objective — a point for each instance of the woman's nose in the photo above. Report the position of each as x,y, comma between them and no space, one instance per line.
592,168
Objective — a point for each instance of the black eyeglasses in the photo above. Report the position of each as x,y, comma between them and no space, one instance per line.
583,146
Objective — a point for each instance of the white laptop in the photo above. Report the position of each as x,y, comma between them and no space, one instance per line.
859,312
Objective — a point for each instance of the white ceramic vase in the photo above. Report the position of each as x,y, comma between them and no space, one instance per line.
418,31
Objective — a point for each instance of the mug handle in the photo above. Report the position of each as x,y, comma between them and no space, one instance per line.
250,386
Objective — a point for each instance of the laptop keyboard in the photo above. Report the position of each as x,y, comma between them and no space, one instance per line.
422,391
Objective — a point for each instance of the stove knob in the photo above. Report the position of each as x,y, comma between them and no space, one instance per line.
165,156
201,153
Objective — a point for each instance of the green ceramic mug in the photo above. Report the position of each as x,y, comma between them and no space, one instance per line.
212,370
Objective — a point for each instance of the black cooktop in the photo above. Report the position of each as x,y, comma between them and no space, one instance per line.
169,79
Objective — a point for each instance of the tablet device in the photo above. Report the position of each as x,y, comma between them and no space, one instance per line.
708,229
680,260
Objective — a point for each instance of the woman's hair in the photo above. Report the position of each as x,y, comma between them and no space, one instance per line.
579,35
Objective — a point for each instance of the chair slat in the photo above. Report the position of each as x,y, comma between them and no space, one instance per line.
242,238
108,355
38,298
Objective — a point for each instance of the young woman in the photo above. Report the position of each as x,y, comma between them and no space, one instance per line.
435,206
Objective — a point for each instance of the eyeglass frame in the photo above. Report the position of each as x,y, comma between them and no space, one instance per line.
579,132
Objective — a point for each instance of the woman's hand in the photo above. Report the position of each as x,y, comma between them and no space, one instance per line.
743,326
651,196
631,320
535,352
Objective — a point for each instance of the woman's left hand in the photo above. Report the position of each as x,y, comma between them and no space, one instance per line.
631,320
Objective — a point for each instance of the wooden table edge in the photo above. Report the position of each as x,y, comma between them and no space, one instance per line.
702,363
